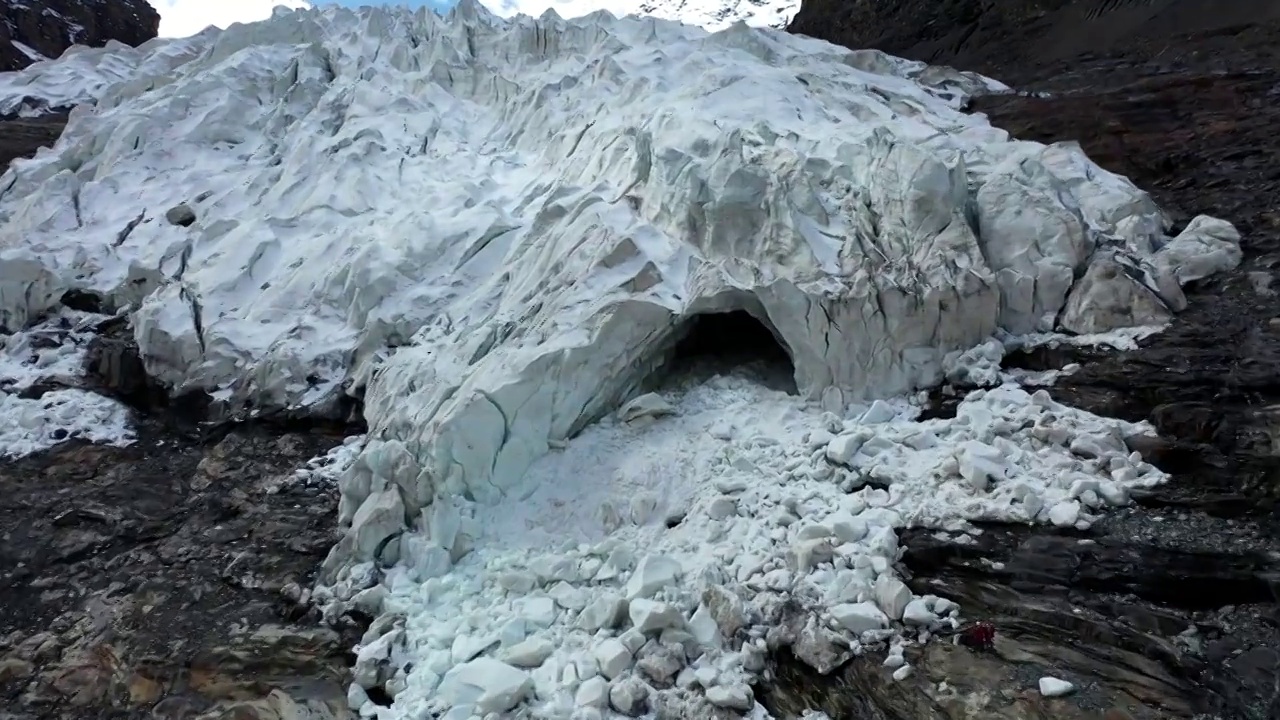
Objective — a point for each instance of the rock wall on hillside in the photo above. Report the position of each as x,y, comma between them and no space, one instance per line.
1014,39
32,30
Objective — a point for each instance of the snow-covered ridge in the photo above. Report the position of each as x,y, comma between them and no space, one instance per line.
720,14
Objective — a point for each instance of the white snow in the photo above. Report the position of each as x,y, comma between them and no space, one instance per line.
713,14
327,468
28,426
29,51
51,353
86,75
496,230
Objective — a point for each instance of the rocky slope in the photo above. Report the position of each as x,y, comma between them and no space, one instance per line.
1168,610
32,30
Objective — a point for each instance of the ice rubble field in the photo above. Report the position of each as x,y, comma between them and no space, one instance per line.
496,230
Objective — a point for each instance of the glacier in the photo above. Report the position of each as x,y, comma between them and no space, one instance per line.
495,231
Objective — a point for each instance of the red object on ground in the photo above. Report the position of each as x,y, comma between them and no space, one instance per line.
979,636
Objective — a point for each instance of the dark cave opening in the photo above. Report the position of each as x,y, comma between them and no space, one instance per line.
726,343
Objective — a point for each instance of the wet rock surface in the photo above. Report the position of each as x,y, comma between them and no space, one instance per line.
155,581
21,137
49,27
1171,608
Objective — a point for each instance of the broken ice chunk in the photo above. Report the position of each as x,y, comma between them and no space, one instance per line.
653,573
650,616
892,596
861,617
649,405
487,684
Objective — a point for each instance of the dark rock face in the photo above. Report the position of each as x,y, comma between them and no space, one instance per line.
161,581
1171,608
49,27
22,137
1029,39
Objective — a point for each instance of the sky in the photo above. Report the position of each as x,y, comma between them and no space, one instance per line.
179,18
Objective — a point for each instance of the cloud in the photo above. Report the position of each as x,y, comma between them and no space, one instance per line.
180,18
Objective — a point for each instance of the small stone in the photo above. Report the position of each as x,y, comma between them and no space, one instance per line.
370,659
902,673
1052,687
551,568
466,647
379,517
181,215
732,697
943,606
820,648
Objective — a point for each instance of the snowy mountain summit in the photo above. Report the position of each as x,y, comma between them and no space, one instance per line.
495,231
720,14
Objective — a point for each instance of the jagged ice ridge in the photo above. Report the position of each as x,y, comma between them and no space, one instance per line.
496,230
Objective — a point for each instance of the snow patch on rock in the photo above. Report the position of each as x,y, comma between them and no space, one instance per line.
41,403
